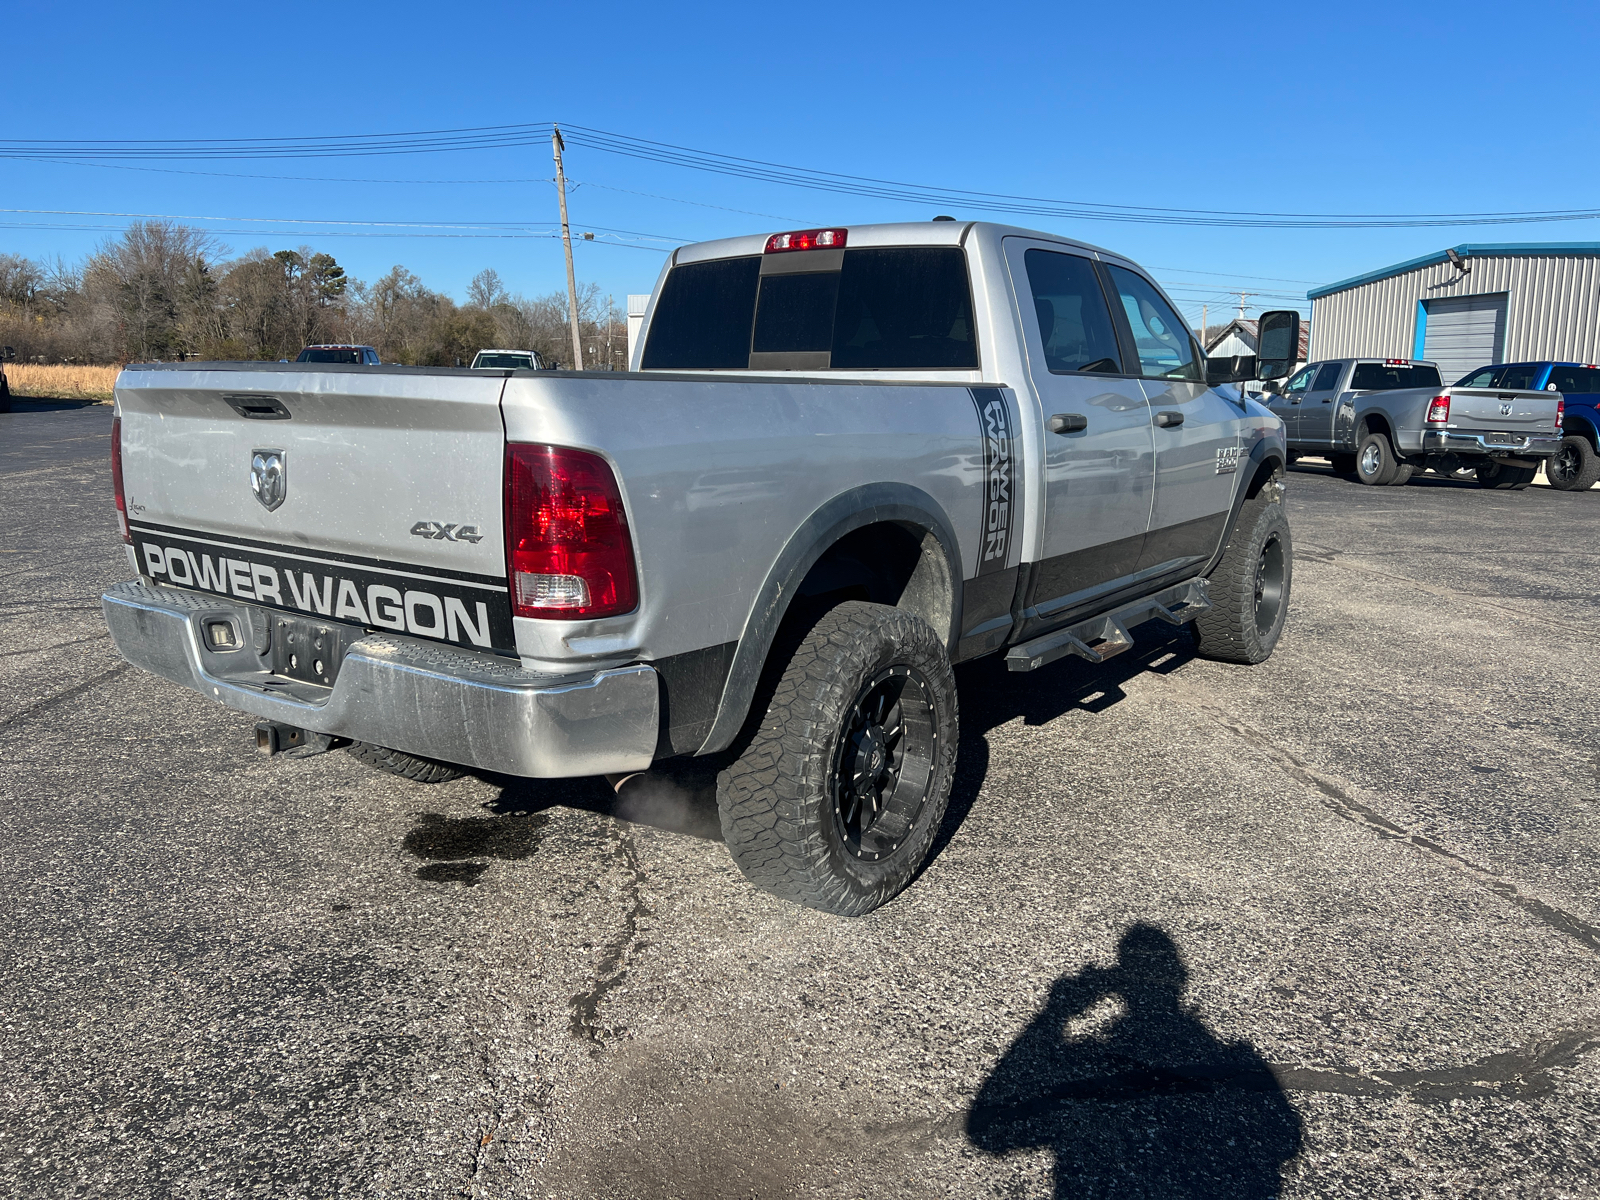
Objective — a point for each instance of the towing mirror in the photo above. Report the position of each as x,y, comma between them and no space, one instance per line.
1277,343
1230,368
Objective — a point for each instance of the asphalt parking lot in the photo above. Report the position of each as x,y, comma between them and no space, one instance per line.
1329,926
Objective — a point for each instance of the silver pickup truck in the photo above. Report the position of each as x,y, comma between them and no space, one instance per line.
1384,419
845,460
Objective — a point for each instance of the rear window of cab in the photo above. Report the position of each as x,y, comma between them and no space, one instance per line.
890,308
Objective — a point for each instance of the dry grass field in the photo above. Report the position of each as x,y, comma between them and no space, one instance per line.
61,382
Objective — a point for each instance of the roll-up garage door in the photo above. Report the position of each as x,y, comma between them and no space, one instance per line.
1464,332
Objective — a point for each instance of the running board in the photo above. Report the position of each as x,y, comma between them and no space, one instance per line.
1103,637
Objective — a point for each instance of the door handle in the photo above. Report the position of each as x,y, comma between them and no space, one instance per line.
1329,400
1296,400
1168,420
1068,423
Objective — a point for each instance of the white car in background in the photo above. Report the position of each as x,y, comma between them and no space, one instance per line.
513,360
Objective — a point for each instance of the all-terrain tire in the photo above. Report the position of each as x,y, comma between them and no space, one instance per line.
786,802
1375,460
1403,471
1501,478
1249,587
1574,467
407,766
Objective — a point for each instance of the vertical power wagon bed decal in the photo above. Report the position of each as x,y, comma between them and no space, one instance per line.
994,532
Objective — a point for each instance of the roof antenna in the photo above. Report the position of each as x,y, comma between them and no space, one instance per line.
942,217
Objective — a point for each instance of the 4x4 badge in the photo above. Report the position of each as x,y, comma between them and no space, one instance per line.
269,478
440,532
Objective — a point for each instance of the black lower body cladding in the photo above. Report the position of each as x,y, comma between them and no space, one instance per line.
836,798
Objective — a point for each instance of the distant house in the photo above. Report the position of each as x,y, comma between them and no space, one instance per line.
1238,336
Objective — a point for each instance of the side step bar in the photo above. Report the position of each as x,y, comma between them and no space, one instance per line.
1103,637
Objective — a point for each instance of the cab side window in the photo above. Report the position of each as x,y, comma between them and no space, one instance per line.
1166,351
1483,378
1574,381
1328,377
1519,376
1074,322
1301,380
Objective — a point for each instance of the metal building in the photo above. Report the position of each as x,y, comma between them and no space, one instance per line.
1466,307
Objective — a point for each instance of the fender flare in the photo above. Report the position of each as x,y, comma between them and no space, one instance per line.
1577,424
1263,452
869,504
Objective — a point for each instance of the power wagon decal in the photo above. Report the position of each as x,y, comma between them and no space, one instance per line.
464,610
994,423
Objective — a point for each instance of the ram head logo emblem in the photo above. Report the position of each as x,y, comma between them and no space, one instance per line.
269,478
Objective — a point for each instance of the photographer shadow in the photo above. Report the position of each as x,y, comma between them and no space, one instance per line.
1133,1093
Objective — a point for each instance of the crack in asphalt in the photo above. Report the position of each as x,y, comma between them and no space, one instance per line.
614,962
1340,559
1343,804
62,697
98,637
1522,1074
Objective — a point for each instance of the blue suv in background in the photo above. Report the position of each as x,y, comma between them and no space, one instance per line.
1575,466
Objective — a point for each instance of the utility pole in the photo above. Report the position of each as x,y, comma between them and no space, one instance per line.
610,324
1243,296
1202,324
558,146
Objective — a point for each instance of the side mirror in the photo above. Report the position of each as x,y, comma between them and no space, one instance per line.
1272,387
1277,343
1230,368
9,354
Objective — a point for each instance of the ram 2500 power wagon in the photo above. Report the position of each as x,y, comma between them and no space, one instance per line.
1384,419
845,460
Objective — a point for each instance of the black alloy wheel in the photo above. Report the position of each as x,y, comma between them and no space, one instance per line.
883,764
836,798
1574,467
1270,576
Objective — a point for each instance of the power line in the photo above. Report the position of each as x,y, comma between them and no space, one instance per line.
495,137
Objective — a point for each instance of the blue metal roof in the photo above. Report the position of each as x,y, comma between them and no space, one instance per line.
1428,260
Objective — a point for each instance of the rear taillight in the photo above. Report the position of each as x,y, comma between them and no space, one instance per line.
807,239
568,551
116,478
1438,410
1561,412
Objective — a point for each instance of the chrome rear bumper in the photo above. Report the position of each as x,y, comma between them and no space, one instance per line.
1525,446
472,709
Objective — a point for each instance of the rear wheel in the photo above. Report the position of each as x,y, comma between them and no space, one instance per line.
407,766
836,799
1575,467
1250,587
1375,461
1503,478
1403,473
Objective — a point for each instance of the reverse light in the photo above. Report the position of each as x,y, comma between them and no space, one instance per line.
1438,410
116,478
569,554
807,239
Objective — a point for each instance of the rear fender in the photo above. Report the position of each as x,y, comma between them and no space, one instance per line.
870,504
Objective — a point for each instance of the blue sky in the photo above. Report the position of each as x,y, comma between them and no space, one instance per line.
1352,107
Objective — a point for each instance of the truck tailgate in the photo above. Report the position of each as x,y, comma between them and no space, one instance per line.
1480,409
365,496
